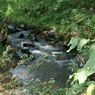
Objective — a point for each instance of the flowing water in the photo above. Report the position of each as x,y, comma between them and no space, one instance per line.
49,58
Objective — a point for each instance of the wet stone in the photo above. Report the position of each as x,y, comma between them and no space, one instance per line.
28,45
21,36
34,39
12,29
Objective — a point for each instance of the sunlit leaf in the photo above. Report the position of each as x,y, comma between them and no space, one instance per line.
73,42
90,89
82,75
82,42
87,70
93,40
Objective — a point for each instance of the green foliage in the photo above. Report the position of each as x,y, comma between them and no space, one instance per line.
6,55
78,89
73,67
89,68
5,58
12,84
63,15
82,74
51,88
46,88
73,42
25,58
91,50
79,42
6,61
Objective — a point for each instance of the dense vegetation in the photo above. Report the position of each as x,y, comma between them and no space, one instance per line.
72,19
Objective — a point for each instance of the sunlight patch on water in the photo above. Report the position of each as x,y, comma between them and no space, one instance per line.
36,51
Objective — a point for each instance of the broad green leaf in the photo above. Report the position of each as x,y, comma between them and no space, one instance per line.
91,50
89,67
73,42
91,62
87,70
82,42
82,75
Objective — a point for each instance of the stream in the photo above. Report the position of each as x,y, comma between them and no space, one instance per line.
48,57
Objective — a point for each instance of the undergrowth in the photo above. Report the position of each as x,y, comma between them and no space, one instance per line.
65,16
87,48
